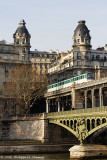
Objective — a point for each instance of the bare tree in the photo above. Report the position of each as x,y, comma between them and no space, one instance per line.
25,86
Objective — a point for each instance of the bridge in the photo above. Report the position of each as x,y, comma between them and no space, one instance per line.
82,123
81,108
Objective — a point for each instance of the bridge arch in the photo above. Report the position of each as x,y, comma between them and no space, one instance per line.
99,128
65,126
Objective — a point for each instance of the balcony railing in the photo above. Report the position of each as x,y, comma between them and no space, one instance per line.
8,52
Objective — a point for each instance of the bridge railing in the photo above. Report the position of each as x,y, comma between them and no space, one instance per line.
80,111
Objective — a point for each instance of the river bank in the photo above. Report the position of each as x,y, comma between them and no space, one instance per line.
25,149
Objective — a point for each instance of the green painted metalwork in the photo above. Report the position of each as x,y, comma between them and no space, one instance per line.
82,123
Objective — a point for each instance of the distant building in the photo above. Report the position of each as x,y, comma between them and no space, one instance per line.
18,53
41,60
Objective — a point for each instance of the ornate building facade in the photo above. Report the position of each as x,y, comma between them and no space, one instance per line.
81,59
18,53
63,93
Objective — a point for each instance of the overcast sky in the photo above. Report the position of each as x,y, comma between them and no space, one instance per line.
51,23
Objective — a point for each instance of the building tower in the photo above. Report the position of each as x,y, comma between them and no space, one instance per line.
81,48
81,37
22,41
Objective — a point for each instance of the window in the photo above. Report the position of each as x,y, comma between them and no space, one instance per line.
40,60
92,57
5,57
78,40
17,41
5,79
82,39
62,83
6,69
11,57
78,55
40,66
98,57
78,73
23,41
101,63
45,66
78,63
86,63
71,79
23,58
83,76
9,50
86,41
24,50
2,49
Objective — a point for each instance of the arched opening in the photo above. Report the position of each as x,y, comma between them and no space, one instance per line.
93,123
64,122
68,123
103,120
88,124
71,124
98,122
75,122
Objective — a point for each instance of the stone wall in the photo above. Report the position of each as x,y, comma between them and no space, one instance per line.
28,128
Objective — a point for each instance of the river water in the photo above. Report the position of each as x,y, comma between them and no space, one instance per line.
59,156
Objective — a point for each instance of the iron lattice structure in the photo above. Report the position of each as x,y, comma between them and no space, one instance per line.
81,123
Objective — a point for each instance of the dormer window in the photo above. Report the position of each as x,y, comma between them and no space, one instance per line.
23,41
78,41
82,39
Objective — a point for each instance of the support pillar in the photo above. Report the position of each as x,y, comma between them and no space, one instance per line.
62,104
73,98
47,105
100,96
85,99
58,104
92,94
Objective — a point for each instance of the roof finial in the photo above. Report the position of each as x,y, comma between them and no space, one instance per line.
22,23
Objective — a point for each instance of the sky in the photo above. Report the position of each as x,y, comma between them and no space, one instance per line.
51,23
